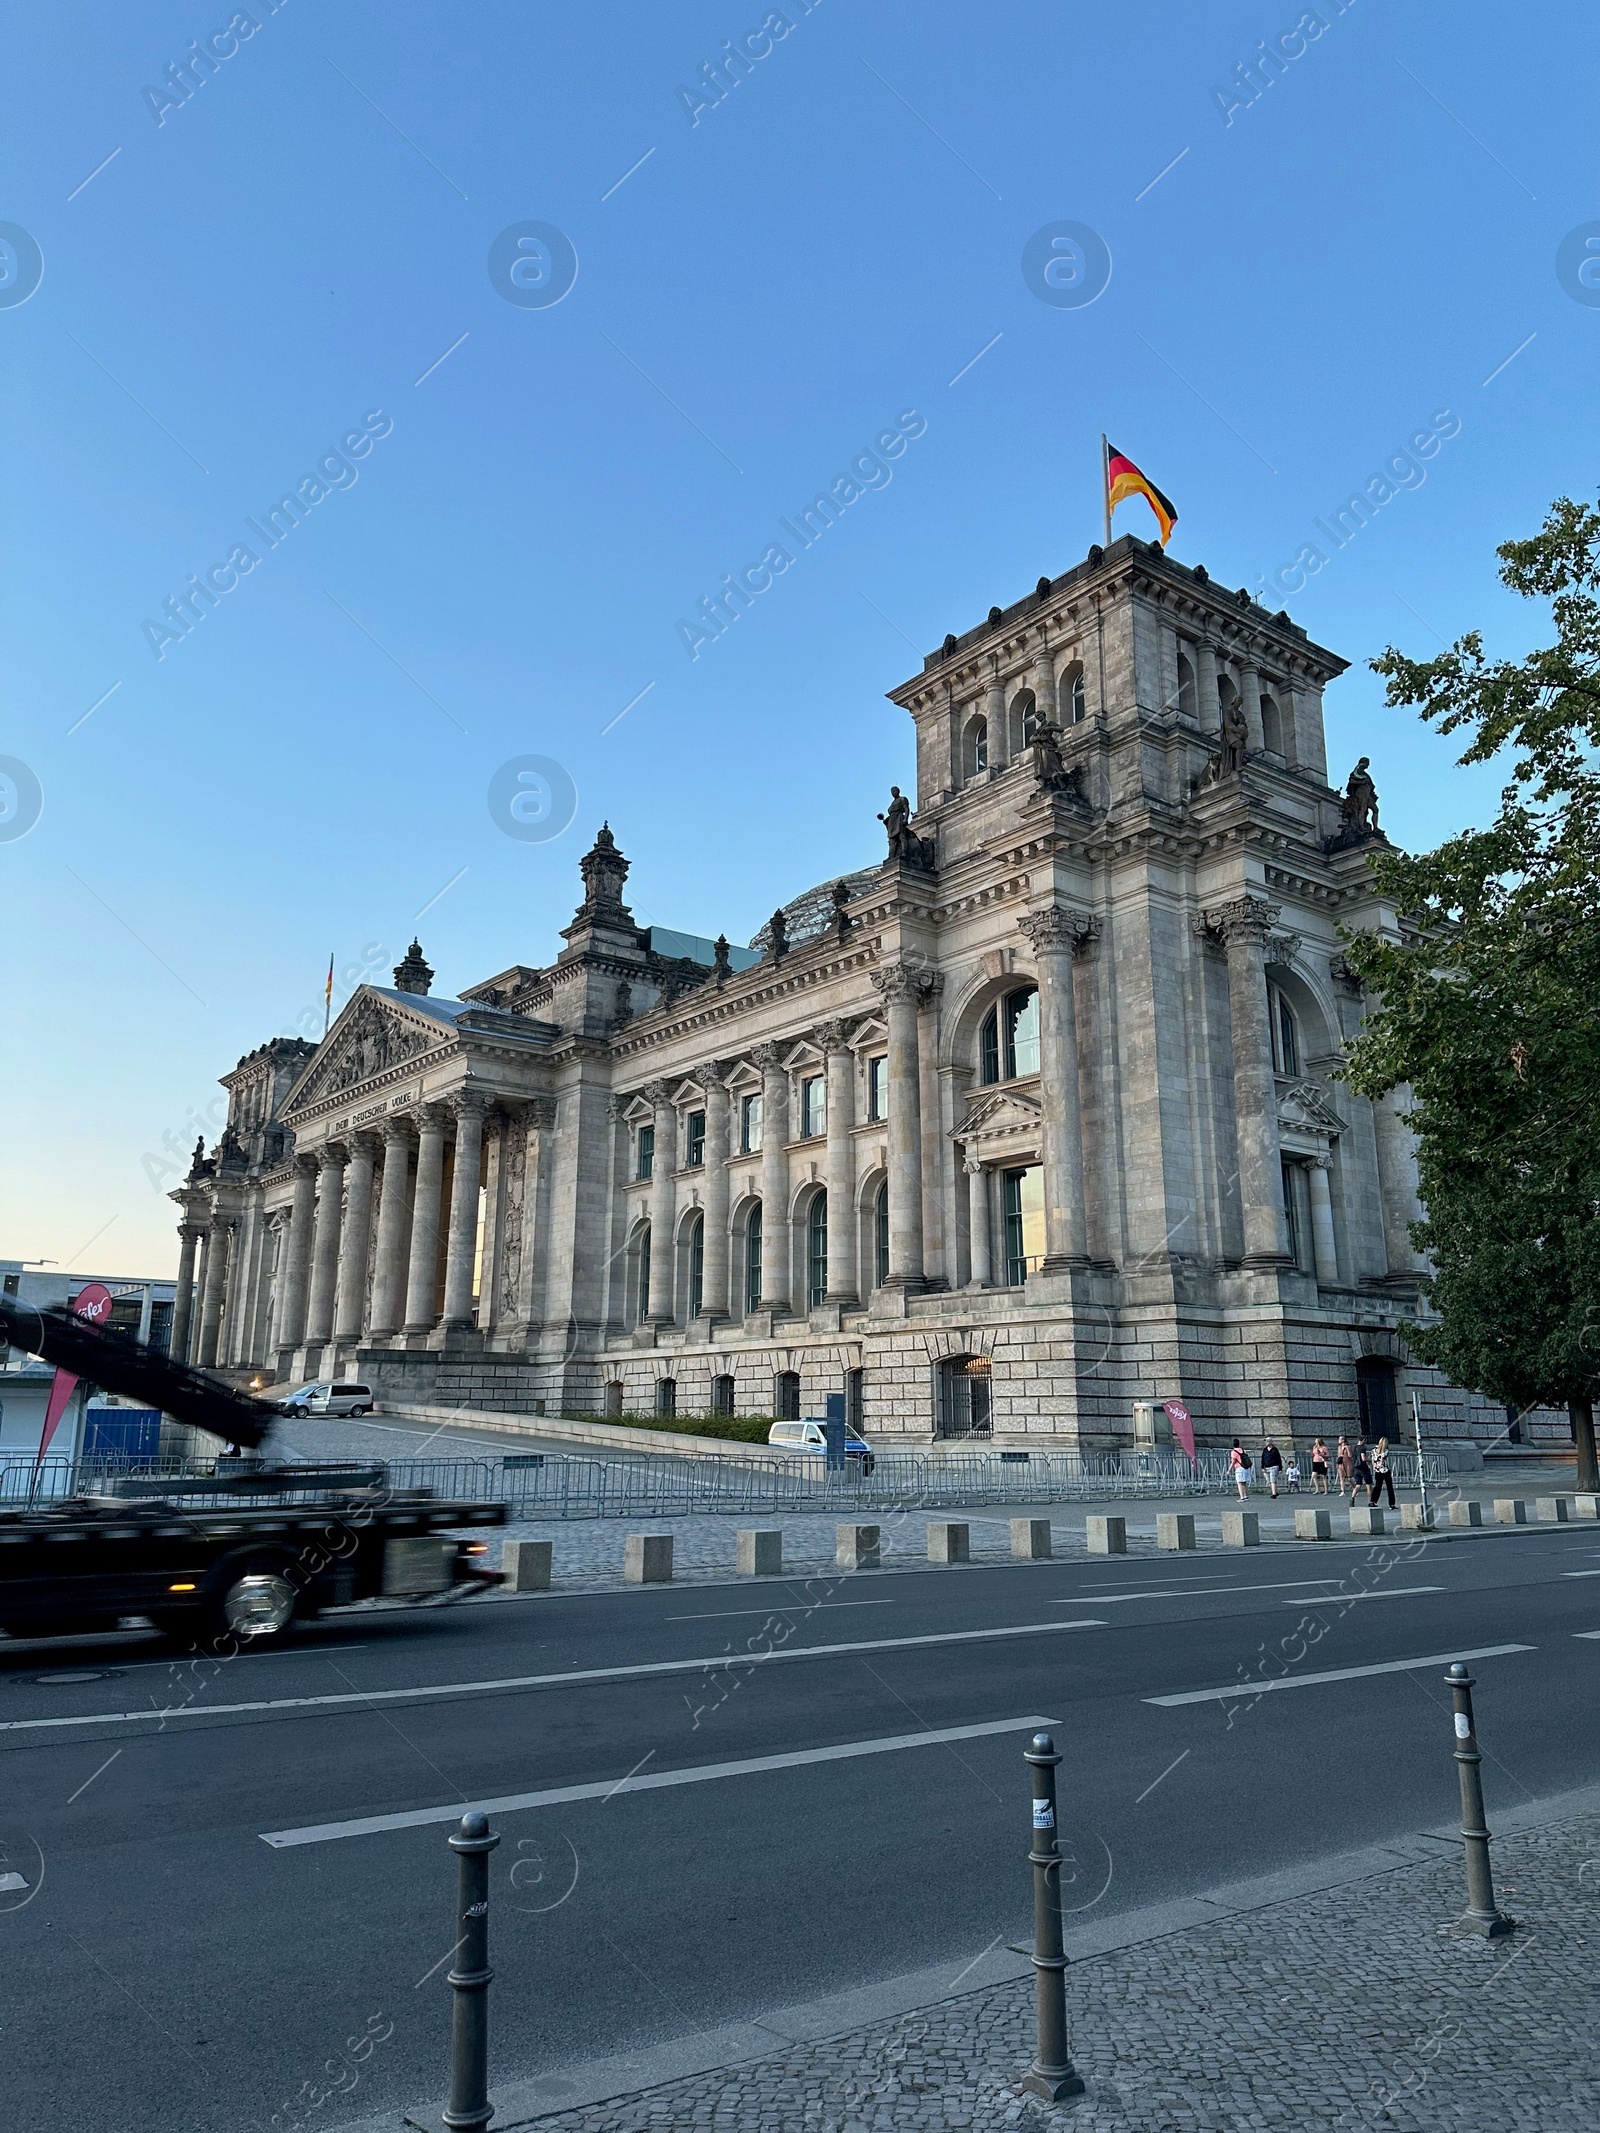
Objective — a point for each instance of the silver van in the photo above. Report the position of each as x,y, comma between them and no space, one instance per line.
322,1398
811,1439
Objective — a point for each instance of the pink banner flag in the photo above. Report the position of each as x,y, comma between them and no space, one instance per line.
1182,1425
93,1302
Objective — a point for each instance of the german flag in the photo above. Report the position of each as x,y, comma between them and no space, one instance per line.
1123,479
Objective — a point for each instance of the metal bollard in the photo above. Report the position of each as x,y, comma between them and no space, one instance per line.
1052,2074
1482,1915
469,2109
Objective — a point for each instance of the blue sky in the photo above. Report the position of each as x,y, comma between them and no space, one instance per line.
540,492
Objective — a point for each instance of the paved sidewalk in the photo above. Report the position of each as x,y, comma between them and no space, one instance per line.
1333,1998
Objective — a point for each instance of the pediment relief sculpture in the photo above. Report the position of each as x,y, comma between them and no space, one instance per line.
372,1040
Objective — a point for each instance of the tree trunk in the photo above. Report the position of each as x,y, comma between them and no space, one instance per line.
1582,1413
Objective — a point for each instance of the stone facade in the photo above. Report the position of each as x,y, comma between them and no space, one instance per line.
1036,1120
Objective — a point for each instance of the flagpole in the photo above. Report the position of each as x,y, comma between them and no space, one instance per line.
1105,482
327,998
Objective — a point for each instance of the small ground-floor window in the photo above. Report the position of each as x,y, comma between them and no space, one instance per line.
613,1402
666,1396
965,1408
722,1396
788,1395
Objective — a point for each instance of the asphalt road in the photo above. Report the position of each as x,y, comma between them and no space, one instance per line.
167,1966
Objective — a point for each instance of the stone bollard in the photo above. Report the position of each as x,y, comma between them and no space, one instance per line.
1241,1529
647,1558
1466,1511
1313,1522
526,1566
948,1542
856,1547
1417,1517
1366,1518
759,1555
1555,1510
1586,1506
1510,1511
1030,1539
1174,1530
1106,1536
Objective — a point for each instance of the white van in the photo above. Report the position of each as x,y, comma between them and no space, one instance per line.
322,1398
811,1439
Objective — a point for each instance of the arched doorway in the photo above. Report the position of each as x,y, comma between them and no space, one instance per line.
1376,1398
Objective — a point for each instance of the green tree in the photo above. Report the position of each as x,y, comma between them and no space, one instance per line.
1490,1001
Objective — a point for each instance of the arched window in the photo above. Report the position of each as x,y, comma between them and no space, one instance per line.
817,1248
752,1259
666,1398
1271,726
975,748
1285,1033
880,1233
1020,721
1072,700
722,1396
1008,1039
965,1405
787,1395
1187,697
697,1266
614,1395
644,1276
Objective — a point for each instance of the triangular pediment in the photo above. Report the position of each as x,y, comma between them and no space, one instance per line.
1002,1116
1304,1107
370,1038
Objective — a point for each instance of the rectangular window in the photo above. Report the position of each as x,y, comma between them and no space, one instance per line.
647,1152
697,1268
752,1260
666,1398
1022,1198
878,1087
880,1234
722,1396
750,1124
813,1108
696,1140
644,1277
854,1398
1291,1210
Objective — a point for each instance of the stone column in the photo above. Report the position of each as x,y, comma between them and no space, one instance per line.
325,1248
776,1241
714,1284
498,1128
422,1269
898,988
994,711
356,1236
978,1221
463,1238
663,1245
218,1256
839,1163
1044,682
1397,1178
295,1274
1245,925
189,1235
1250,704
526,1222
1324,1246
1054,934
389,1273
1207,708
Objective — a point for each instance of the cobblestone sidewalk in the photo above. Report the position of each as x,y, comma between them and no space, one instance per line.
1351,2009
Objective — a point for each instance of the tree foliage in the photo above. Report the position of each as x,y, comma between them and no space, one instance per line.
1490,999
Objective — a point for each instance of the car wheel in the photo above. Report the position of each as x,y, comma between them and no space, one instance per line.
253,1599
361,1410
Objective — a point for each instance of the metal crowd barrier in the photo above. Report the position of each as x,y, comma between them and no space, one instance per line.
674,1484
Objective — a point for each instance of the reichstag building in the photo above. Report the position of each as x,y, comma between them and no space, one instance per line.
1035,1118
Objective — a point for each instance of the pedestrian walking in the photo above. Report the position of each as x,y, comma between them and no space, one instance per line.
1381,1477
1319,1468
1345,1466
1363,1478
1239,1465
1271,1465
1291,1475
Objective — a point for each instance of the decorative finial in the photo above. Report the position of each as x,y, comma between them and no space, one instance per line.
413,974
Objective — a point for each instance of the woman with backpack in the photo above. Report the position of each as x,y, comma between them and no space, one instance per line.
1239,1466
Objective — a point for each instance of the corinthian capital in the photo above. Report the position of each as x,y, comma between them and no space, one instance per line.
1058,927
1247,920
657,1095
897,982
769,1057
831,1036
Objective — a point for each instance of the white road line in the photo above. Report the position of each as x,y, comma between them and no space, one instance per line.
1343,1599
1587,1633
1157,1592
720,1662
608,1788
1242,1691
800,1607
1581,1573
